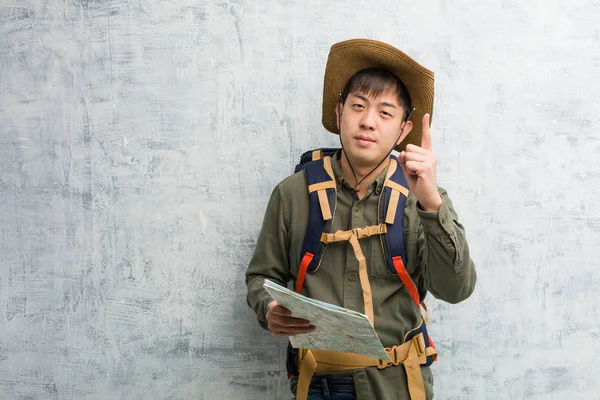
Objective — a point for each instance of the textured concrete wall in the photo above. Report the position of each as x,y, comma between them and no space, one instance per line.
139,141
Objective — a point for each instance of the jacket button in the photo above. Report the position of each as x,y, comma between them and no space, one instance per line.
352,277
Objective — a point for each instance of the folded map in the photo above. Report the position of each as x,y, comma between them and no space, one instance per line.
337,328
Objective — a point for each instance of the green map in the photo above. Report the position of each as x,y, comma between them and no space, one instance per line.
337,328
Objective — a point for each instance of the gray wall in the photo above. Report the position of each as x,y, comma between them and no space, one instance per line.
140,140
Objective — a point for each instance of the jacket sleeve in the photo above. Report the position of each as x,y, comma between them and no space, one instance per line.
448,269
270,259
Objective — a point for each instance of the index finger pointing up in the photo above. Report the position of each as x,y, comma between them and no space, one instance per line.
426,135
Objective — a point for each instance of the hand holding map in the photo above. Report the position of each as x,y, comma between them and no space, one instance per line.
281,322
337,328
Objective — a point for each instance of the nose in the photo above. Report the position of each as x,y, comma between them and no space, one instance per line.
368,120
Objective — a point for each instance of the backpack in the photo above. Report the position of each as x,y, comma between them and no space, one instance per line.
322,189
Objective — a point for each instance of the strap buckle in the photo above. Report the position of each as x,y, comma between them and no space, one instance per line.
370,231
383,364
398,354
393,353
324,238
419,343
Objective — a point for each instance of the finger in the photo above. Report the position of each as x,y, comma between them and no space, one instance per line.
287,321
293,322
426,138
402,157
286,331
279,310
292,329
402,162
411,148
416,157
415,167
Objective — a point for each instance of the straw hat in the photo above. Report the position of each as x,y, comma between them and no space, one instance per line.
348,57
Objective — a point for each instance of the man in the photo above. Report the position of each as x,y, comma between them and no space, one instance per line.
377,99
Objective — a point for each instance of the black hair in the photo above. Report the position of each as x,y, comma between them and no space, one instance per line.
375,81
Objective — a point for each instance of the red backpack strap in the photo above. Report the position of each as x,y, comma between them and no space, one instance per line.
405,278
302,271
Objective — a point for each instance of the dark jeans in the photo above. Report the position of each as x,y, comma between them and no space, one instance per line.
331,388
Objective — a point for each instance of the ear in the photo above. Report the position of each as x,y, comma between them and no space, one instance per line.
407,128
338,112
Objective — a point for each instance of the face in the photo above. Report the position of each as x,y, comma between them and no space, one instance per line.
370,126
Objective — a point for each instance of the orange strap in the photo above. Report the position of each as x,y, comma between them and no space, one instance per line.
431,344
328,167
340,236
324,204
302,271
322,185
317,155
353,236
397,190
392,207
364,278
405,278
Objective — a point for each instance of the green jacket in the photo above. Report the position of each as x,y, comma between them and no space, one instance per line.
438,261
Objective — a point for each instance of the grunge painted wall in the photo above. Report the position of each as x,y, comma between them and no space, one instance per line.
140,140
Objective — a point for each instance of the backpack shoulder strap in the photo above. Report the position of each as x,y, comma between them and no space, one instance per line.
322,199
313,155
391,211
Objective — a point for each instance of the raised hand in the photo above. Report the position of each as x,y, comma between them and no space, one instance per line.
419,167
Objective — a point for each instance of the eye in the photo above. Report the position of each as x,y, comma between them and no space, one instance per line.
358,106
387,114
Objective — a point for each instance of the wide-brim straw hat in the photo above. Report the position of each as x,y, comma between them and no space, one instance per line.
348,57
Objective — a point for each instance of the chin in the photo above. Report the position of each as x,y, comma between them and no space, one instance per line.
366,156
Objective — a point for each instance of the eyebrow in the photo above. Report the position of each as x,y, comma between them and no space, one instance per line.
383,103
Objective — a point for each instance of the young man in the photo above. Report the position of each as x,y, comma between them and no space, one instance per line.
371,261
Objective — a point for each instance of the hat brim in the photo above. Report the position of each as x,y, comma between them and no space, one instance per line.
348,57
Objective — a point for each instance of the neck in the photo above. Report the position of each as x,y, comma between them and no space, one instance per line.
361,171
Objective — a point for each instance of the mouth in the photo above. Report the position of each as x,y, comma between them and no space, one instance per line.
364,140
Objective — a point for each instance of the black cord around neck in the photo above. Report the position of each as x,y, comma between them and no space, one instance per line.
357,187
